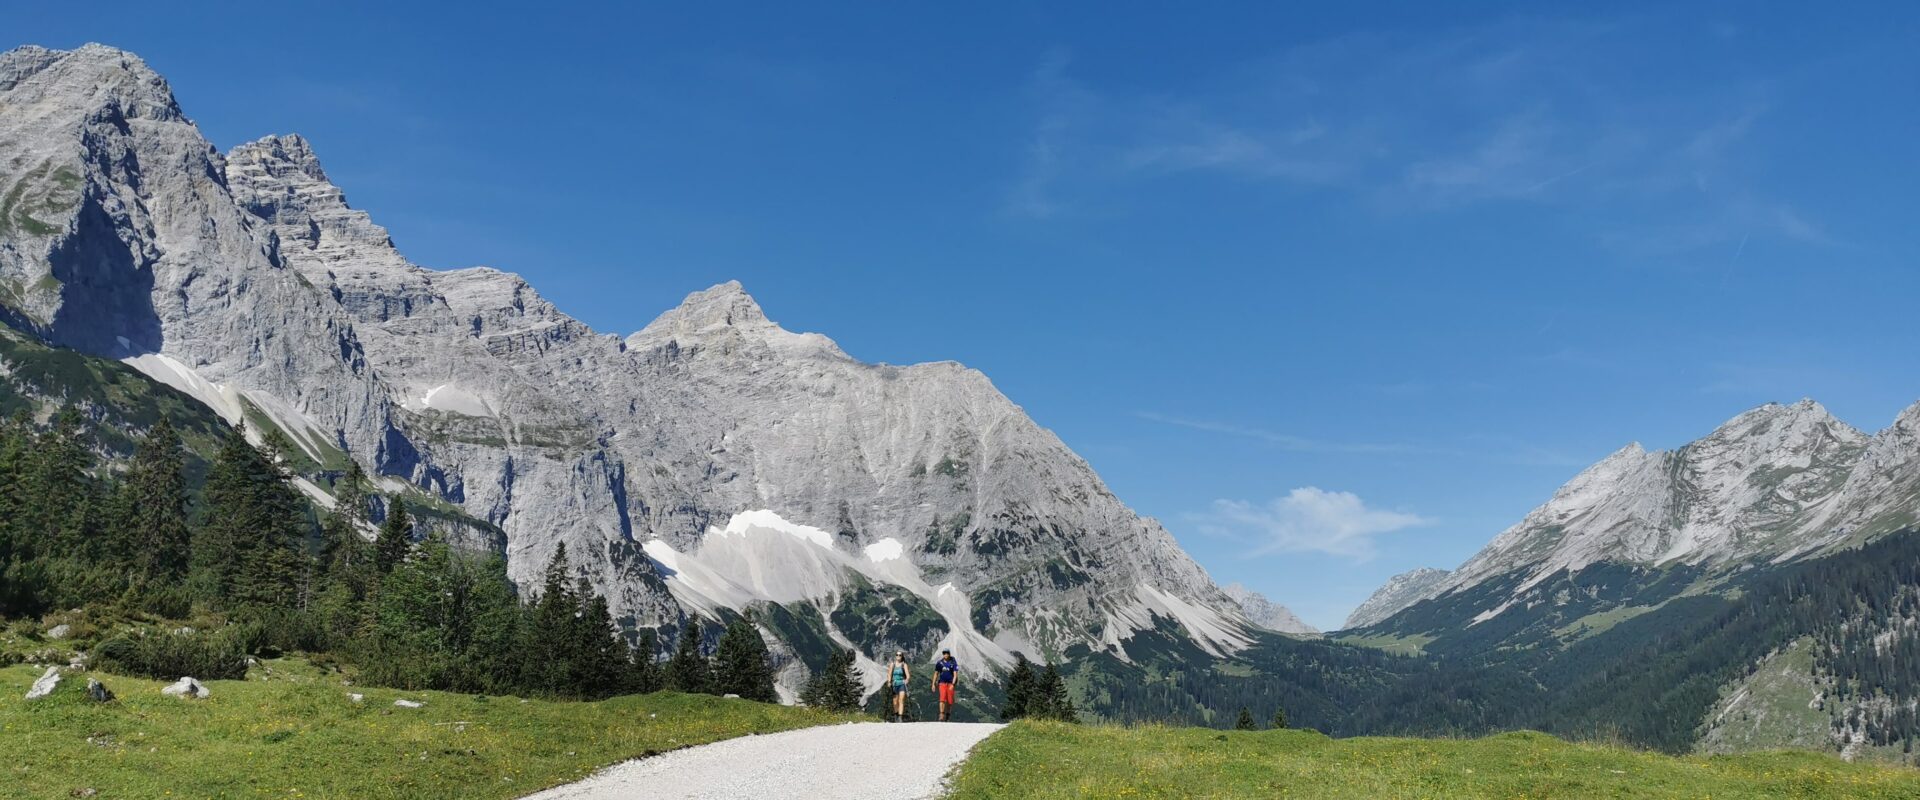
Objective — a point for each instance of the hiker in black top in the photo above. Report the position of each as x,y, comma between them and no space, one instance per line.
897,676
946,673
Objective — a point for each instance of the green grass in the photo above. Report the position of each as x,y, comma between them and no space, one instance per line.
1401,644
1601,622
1773,708
290,731
1050,760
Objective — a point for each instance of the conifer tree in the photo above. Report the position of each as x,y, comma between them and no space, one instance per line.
1245,721
56,501
740,663
688,671
836,688
246,553
16,442
549,637
1279,719
1021,690
599,658
396,537
153,537
493,657
1053,700
643,671
342,550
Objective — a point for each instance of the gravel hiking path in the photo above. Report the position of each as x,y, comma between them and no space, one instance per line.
898,761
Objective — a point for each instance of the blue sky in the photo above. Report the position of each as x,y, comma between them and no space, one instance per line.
1333,291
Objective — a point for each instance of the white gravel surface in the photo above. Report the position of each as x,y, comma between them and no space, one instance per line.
900,761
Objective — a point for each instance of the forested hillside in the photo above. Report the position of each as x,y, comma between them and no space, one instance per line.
1651,679
130,508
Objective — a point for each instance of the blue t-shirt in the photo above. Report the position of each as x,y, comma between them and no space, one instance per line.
946,668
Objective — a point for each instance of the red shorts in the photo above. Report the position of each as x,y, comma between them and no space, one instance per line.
946,693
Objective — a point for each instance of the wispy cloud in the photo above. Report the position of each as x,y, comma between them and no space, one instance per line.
1060,104
1525,111
1285,441
1306,520
1478,447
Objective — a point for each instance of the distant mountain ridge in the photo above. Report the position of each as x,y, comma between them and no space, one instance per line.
1774,483
1398,592
1266,613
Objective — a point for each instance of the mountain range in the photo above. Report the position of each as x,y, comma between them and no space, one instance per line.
712,463
1773,484
1753,588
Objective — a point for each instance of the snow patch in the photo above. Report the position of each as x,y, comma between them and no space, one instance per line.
886,550
761,557
453,400
746,522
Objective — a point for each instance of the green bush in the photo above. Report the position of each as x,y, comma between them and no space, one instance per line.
167,656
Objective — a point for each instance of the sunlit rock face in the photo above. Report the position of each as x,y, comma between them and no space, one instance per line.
248,280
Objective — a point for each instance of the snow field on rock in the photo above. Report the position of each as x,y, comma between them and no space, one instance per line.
761,557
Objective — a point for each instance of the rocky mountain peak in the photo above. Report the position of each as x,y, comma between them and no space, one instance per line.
92,77
1786,425
1265,613
249,283
280,156
726,318
279,179
1399,592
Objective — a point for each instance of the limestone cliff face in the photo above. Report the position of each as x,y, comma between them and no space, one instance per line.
248,280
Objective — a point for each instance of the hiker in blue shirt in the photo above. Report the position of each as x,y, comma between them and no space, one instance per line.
946,673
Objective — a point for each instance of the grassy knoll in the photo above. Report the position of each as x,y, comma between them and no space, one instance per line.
1048,760
291,731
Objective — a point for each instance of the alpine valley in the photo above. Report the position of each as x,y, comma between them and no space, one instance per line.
1756,588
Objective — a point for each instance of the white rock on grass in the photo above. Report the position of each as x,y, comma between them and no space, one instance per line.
60,631
356,697
45,685
187,689
408,703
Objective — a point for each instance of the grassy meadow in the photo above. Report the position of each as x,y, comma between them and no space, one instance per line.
290,731
1050,760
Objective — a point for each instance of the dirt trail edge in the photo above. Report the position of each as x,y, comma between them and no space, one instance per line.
867,760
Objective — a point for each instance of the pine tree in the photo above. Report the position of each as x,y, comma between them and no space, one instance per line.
549,636
247,551
1279,719
836,688
1053,700
740,664
153,538
57,491
1245,721
493,660
688,671
643,671
342,550
396,537
1022,700
16,443
599,661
